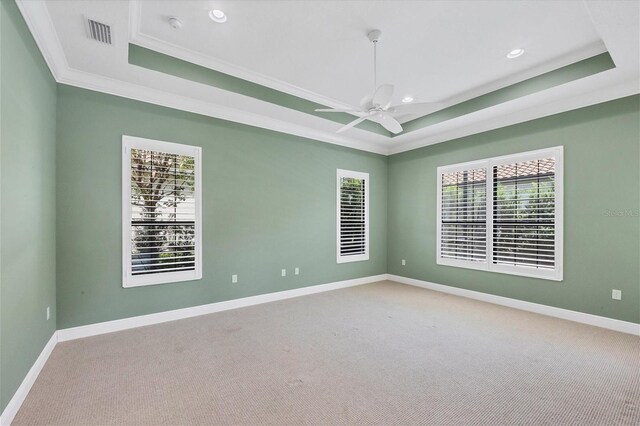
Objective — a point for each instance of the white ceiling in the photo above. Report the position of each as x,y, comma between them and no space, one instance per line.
449,50
431,50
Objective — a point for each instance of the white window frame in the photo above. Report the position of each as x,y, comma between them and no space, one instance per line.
555,274
129,280
341,173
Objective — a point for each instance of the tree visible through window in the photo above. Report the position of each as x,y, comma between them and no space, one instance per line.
161,210
524,213
464,220
353,216
518,229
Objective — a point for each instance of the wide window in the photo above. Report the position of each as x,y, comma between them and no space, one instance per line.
353,216
161,208
503,214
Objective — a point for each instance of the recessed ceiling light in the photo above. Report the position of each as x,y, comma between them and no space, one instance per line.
175,23
515,53
218,16
407,99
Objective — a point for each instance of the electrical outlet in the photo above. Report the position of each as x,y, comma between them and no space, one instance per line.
234,279
284,272
404,262
297,271
48,313
616,294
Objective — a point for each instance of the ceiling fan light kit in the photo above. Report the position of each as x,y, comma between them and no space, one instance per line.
378,108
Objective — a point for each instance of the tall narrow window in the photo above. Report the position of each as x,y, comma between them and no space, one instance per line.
516,228
353,216
161,212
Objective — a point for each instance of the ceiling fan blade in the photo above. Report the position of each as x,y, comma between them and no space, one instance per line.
413,108
418,108
353,123
383,95
337,110
389,123
366,103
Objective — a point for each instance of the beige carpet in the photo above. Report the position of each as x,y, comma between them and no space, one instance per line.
382,353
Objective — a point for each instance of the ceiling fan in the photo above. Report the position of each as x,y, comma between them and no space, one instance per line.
378,107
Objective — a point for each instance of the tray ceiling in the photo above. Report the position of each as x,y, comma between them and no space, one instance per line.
317,51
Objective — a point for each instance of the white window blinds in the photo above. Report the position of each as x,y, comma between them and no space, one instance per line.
464,215
353,216
161,204
517,228
524,213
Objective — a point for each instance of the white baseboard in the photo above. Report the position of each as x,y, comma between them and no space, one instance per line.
14,405
160,317
123,324
581,317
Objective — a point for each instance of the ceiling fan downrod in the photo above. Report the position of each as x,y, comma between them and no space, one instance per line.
374,37
377,107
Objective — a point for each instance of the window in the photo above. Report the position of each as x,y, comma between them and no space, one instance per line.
161,211
503,214
353,216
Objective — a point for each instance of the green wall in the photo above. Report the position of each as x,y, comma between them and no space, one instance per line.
27,180
170,65
268,203
601,222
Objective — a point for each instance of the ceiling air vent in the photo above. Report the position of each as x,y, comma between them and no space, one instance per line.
99,31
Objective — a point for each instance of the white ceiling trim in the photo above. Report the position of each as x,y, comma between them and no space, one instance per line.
153,43
45,35
586,52
157,97
150,42
39,22
515,114
619,82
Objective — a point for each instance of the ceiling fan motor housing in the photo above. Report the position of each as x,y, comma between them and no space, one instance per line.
374,35
378,107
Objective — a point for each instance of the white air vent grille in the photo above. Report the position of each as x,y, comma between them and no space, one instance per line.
99,31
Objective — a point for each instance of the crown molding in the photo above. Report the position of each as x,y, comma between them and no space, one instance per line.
136,92
136,36
516,112
38,20
612,84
